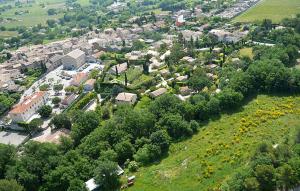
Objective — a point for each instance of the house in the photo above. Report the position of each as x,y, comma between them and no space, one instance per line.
182,78
119,68
158,92
164,72
30,105
68,99
73,60
78,79
184,90
89,85
127,98
54,62
180,21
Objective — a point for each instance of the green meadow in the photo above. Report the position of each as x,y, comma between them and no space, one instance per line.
222,146
37,14
270,9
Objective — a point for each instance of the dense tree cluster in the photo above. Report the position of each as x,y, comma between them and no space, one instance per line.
271,168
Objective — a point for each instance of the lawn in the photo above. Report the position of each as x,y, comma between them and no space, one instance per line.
271,9
204,161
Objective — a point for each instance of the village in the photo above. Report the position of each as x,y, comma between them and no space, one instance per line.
116,66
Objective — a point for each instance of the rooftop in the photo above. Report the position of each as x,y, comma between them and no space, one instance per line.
125,96
76,53
28,102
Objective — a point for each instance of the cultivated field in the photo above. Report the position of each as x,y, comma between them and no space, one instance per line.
271,9
222,146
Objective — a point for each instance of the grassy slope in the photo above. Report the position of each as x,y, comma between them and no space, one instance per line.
271,9
222,146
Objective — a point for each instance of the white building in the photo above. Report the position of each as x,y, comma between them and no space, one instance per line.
73,60
127,98
30,105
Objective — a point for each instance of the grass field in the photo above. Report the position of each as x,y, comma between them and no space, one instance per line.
270,9
5,34
37,14
208,158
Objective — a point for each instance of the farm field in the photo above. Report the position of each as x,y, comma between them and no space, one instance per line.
37,14
270,9
222,146
5,34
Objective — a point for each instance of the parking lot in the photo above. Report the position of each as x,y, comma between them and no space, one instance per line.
13,138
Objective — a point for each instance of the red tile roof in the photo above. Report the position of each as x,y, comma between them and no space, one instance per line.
28,102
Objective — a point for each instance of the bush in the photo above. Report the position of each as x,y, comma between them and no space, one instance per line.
133,166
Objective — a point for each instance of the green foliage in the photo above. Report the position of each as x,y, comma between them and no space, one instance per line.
124,151
45,111
133,166
161,139
83,125
199,80
7,101
10,185
106,175
229,99
36,160
7,157
44,87
56,100
61,121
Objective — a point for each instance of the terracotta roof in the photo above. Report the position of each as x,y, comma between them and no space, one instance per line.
79,77
28,102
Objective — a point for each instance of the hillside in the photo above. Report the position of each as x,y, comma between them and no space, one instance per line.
270,9
207,159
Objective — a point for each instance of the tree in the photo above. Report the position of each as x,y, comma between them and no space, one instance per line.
251,184
161,139
106,175
56,100
265,175
7,157
166,104
229,99
124,151
34,125
287,177
36,161
61,121
199,80
77,185
175,125
51,23
126,80
58,87
84,124
10,185
45,111
51,11
148,153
